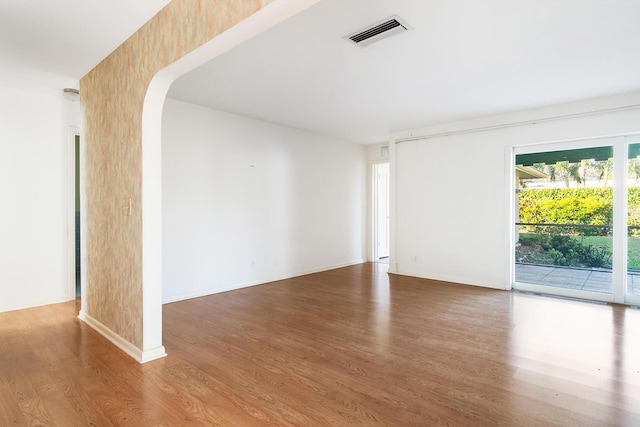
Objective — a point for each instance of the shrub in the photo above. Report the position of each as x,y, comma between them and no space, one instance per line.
593,206
568,250
575,205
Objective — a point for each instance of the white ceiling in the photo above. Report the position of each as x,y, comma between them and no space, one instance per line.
50,44
463,59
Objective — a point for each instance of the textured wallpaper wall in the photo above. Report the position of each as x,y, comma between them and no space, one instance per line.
112,96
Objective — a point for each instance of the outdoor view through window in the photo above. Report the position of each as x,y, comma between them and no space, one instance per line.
564,219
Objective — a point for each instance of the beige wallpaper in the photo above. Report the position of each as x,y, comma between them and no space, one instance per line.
112,96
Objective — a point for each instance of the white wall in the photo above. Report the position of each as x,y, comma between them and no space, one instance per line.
247,202
33,189
452,193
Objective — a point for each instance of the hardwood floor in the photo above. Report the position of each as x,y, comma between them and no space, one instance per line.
351,346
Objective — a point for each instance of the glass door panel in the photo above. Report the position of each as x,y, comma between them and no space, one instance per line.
633,221
564,220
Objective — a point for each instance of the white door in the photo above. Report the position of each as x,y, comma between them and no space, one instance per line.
381,214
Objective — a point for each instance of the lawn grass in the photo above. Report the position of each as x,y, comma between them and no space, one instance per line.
633,248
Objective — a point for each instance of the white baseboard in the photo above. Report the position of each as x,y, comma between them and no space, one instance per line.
153,354
36,304
121,343
262,281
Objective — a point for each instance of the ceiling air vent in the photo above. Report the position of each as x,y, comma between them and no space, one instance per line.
379,30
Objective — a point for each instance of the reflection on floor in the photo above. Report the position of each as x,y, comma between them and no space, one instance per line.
353,346
594,280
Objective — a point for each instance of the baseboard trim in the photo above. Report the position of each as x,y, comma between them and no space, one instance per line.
262,281
121,343
33,305
153,354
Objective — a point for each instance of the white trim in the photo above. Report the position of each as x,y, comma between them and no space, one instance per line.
619,243
4,309
628,298
373,249
519,123
121,343
232,287
510,199
153,354
373,211
393,209
571,144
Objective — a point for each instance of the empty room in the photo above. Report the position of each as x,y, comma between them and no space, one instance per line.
320,212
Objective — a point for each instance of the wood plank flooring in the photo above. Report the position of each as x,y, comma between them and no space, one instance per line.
352,346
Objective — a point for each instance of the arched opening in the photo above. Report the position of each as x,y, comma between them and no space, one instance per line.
268,17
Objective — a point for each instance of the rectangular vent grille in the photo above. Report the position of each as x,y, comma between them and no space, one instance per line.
379,30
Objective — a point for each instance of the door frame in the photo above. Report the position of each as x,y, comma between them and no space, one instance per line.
72,133
374,206
620,144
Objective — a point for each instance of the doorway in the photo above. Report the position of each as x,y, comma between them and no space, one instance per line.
74,222
577,219
77,213
381,212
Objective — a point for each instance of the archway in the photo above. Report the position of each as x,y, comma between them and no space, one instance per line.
151,203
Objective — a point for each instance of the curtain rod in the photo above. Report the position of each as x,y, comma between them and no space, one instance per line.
513,124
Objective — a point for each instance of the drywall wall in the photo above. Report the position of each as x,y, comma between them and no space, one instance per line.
247,202
33,188
452,200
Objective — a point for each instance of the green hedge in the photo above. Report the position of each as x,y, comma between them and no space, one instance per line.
592,206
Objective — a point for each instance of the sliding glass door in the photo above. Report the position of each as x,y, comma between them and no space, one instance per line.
632,293
577,219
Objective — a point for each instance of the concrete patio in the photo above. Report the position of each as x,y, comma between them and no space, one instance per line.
594,280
